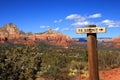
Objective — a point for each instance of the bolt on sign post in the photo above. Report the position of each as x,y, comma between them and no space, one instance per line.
91,31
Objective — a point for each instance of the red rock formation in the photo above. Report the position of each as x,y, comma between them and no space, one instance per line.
55,39
11,33
116,39
116,42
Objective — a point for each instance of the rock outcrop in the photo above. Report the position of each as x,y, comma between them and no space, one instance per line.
116,42
113,43
10,33
54,38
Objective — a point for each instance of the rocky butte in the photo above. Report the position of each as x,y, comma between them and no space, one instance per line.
10,33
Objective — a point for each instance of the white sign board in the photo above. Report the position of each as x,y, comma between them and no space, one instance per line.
90,30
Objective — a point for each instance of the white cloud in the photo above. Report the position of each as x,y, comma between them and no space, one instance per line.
73,29
107,21
75,17
80,21
58,21
78,24
57,28
111,23
65,29
43,26
97,15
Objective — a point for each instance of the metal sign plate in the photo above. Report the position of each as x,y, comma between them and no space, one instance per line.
90,30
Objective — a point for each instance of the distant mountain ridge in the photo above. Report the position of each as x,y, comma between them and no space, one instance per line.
10,33
98,39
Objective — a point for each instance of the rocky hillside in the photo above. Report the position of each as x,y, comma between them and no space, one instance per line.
9,29
116,42
11,34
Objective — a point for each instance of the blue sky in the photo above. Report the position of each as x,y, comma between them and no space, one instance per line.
62,15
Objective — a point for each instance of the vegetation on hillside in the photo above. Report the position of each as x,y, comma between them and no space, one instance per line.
26,62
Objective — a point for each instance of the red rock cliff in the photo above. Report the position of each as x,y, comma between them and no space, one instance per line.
116,42
10,33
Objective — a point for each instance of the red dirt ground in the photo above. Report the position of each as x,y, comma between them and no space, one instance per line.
113,74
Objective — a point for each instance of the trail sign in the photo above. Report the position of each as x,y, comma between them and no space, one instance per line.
90,30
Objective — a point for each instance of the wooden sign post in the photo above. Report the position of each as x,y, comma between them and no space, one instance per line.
91,31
